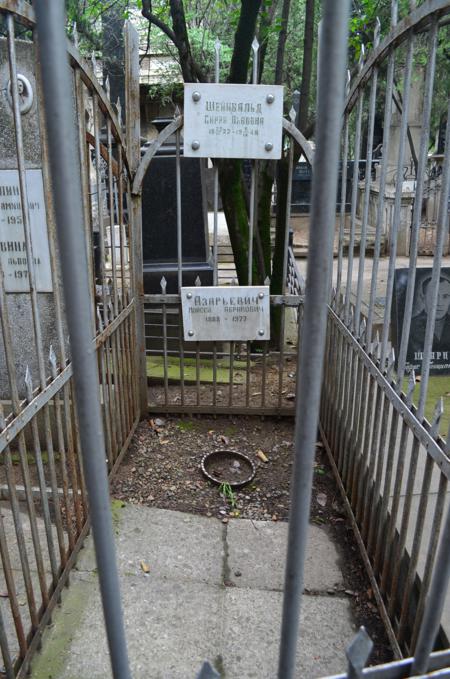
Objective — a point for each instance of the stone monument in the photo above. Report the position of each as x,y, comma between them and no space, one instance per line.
12,241
159,220
440,357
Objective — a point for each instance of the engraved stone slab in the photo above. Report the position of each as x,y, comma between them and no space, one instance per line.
12,240
422,306
226,314
233,121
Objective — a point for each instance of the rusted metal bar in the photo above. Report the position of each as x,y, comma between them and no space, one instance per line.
330,103
68,209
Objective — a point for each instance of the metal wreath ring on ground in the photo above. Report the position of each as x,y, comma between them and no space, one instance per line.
240,457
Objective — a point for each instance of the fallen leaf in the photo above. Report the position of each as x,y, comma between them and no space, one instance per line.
418,378
145,567
163,443
225,440
290,397
262,456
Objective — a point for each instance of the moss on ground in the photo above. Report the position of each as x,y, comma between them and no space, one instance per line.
155,370
438,386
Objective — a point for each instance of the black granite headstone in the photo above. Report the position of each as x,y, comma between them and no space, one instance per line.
159,222
440,363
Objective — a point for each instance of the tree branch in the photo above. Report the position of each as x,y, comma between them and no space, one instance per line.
147,14
191,70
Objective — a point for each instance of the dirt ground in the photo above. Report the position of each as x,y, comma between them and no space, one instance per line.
162,469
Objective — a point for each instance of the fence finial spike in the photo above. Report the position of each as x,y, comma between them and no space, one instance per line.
292,115
198,282
107,86
358,653
394,12
207,672
75,34
177,112
437,416
361,58
410,388
390,364
376,33
99,319
163,284
217,46
255,45
234,281
29,383
52,357
119,111
267,280
362,330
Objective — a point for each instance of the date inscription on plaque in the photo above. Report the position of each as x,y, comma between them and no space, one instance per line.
13,253
233,121
226,314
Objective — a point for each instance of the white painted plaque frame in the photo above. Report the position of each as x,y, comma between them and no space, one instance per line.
226,314
13,255
233,121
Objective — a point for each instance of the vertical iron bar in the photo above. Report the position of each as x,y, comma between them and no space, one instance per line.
355,181
179,225
367,183
343,206
398,199
419,192
381,189
431,555
323,208
441,235
216,188
435,602
68,208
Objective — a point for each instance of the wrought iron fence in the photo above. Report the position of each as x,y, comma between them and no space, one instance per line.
379,416
374,433
45,514
233,377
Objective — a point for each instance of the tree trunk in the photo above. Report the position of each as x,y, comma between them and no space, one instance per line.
191,72
282,42
243,39
114,52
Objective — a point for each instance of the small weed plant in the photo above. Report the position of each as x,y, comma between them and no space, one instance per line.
228,494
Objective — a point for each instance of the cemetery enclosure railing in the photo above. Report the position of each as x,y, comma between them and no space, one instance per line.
220,377
45,516
379,416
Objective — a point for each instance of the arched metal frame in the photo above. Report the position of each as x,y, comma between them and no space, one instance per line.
384,443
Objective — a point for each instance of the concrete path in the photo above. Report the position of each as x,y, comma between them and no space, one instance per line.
214,591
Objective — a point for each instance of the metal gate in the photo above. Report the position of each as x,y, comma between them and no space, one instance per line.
367,443
380,421
44,514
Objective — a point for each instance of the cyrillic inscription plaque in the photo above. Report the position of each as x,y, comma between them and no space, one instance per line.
226,314
12,239
232,121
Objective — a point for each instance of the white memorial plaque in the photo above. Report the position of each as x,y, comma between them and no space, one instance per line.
226,314
12,239
232,121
